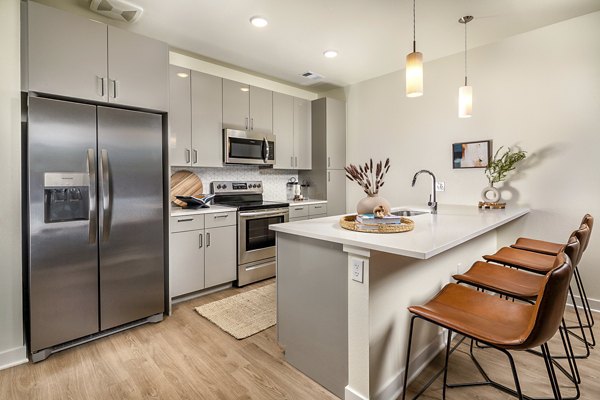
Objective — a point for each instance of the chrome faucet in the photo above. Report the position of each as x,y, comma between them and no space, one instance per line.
432,199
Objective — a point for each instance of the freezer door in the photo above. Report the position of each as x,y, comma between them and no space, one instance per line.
130,195
63,257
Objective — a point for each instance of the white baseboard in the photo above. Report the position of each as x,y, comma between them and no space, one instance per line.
12,357
392,389
594,303
351,394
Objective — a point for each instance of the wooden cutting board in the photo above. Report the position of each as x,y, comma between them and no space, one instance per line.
185,183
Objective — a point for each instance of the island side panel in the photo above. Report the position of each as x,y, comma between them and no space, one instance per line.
312,308
397,282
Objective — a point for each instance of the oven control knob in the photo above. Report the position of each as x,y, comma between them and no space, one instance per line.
218,186
224,186
258,185
253,186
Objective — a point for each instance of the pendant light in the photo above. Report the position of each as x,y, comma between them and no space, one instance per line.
414,66
465,93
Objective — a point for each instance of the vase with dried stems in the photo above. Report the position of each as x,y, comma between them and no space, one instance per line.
370,178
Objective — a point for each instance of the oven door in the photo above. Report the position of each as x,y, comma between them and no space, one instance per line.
243,147
255,240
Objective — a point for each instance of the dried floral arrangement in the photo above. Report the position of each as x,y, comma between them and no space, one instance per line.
500,166
369,177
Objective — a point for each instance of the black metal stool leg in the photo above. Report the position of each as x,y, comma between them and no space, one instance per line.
446,364
586,308
583,337
412,325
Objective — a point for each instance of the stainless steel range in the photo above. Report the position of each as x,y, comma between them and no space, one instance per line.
255,243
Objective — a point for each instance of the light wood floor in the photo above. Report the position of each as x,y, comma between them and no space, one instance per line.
187,357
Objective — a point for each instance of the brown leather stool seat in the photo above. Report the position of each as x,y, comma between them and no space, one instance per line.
506,281
501,324
530,261
550,248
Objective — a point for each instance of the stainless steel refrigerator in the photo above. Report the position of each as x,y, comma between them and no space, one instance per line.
95,215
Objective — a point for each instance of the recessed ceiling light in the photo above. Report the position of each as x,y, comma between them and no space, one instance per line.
182,75
244,89
330,53
259,22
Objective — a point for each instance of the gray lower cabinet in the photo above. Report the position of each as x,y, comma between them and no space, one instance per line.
309,211
202,251
76,57
186,253
220,256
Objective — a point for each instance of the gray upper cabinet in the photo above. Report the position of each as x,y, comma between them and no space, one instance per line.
67,55
283,128
236,105
336,134
247,107
261,110
137,70
180,116
76,57
291,125
207,112
302,134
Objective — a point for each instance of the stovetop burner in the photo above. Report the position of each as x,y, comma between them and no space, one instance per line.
243,195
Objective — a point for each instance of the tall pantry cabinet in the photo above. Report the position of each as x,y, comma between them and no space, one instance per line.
327,179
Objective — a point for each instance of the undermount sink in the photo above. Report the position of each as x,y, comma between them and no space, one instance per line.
408,213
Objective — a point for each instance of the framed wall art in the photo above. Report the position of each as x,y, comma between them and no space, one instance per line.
471,154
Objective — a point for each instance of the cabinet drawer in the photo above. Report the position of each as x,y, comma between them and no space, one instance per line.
187,223
316,209
215,220
298,219
298,211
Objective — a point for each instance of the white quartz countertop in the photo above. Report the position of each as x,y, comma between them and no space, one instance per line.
179,212
432,234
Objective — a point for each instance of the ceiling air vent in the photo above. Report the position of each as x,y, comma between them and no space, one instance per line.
117,9
313,76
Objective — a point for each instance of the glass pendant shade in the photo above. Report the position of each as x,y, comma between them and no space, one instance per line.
465,101
414,74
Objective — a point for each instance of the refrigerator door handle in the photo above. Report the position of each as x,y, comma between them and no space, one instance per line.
106,200
93,221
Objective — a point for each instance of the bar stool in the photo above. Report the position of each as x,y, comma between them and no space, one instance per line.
500,324
525,286
541,264
549,248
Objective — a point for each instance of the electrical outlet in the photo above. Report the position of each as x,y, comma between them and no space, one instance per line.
440,186
358,267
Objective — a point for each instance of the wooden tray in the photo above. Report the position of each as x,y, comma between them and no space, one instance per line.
349,222
185,183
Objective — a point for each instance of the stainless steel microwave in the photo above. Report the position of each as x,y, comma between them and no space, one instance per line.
243,147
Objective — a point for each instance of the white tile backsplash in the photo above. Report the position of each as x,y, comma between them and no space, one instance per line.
274,180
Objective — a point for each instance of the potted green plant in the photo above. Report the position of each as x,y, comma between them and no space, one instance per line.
497,171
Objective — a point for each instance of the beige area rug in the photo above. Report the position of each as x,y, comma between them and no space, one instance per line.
244,314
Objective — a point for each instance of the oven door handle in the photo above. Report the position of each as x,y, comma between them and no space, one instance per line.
262,213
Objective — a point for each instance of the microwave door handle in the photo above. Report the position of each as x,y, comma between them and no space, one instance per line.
266,149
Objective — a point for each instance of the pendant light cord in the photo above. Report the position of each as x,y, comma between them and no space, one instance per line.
465,54
414,27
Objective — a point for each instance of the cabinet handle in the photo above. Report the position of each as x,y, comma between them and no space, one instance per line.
187,155
317,207
185,220
115,84
100,79
200,240
329,161
195,156
220,216
246,121
328,176
292,161
296,158
299,208
251,124
208,240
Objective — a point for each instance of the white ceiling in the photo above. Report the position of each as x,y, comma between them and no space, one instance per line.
372,36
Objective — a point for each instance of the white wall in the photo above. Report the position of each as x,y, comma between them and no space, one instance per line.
11,321
539,90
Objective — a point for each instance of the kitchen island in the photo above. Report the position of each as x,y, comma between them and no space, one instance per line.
342,295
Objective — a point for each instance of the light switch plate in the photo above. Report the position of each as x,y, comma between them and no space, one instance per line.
358,267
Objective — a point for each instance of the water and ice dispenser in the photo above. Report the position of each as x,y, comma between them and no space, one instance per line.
66,196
